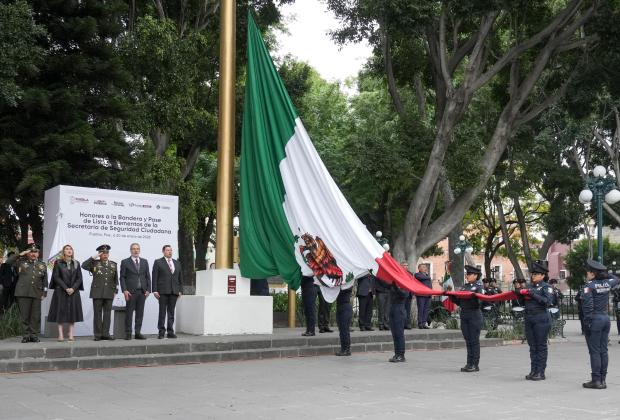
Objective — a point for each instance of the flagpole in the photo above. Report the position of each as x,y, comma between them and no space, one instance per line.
226,137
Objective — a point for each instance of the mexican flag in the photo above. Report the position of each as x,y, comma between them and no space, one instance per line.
293,218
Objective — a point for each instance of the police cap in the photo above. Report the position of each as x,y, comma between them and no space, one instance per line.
104,248
470,269
594,266
539,267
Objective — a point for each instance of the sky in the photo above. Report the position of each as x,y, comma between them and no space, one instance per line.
308,24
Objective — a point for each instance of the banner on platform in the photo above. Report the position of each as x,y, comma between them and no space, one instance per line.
88,217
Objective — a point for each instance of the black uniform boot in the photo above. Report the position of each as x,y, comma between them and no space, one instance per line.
603,382
529,376
595,383
343,352
537,377
397,358
470,368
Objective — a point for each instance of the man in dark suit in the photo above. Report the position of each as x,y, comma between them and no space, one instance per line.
365,287
136,286
166,288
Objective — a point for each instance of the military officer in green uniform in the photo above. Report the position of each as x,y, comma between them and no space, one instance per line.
30,289
102,290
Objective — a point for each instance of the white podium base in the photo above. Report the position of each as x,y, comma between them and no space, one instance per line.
223,315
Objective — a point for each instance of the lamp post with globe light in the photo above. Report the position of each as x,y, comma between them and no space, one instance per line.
460,248
600,186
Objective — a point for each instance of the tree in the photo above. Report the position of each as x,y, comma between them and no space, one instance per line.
581,251
66,127
20,55
525,53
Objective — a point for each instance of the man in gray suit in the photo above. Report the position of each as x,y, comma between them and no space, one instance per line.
136,286
166,288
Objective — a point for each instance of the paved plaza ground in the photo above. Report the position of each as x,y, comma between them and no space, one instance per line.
364,386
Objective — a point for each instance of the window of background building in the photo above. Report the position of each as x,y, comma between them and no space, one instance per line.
562,274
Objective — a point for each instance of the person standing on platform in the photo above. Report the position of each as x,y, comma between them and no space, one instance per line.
308,298
66,306
324,312
538,297
135,282
364,298
383,303
8,278
398,315
471,317
102,290
344,314
30,290
167,288
596,320
408,300
424,302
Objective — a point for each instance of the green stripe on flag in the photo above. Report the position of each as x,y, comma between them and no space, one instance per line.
267,245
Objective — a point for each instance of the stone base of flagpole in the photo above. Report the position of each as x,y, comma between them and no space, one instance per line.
223,306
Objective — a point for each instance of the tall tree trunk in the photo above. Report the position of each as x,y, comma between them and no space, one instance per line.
544,248
511,255
523,229
186,255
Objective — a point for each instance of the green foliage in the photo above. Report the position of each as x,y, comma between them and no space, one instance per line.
580,252
280,301
19,53
10,323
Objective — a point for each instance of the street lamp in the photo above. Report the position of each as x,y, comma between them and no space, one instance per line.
461,247
599,186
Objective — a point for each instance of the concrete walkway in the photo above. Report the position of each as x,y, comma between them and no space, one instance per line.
364,386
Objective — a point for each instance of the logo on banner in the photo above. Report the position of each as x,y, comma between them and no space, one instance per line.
118,204
158,207
144,206
81,200
100,202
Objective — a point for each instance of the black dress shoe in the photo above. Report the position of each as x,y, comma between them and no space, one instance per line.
128,336
327,330
172,335
345,352
34,339
594,385
407,327
140,337
97,339
308,334
537,377
470,368
160,335
25,339
108,338
397,358
529,376
370,329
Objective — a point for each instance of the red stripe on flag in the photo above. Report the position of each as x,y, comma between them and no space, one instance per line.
392,272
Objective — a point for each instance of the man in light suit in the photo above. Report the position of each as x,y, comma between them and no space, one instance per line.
136,286
167,289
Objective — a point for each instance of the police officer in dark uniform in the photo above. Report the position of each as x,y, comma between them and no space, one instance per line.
471,317
30,289
308,297
102,290
596,320
365,286
616,303
325,309
382,293
537,298
398,317
344,314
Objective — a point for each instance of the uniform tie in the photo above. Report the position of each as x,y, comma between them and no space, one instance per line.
170,265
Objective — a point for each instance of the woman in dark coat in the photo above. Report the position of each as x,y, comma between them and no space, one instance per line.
66,307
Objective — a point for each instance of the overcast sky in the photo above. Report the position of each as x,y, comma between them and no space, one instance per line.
308,23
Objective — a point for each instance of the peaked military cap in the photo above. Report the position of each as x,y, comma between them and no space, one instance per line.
539,267
32,247
594,266
104,248
470,269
